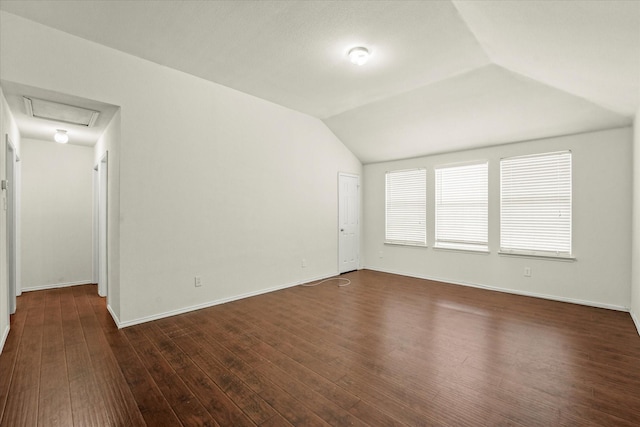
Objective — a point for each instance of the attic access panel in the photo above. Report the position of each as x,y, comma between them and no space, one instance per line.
50,110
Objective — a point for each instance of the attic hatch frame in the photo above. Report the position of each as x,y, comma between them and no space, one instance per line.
60,109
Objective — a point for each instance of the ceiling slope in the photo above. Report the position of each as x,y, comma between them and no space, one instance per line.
443,75
486,106
588,48
293,53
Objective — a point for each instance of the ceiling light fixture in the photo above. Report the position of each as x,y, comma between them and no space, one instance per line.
359,55
61,136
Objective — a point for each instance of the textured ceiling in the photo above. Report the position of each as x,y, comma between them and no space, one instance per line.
443,75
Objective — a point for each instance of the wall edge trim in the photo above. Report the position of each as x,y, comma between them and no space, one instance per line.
115,318
636,321
57,285
170,313
507,291
5,335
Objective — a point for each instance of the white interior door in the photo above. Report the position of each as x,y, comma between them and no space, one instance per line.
348,222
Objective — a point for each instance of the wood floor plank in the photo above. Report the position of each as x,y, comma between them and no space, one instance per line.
87,405
112,377
27,366
299,372
281,376
22,401
391,407
54,406
249,401
215,401
9,356
110,380
390,373
182,400
276,421
384,351
21,409
151,404
289,406
373,416
289,344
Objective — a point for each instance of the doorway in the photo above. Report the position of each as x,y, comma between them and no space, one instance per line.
100,225
12,219
348,222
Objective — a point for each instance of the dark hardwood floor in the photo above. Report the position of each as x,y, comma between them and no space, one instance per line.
386,350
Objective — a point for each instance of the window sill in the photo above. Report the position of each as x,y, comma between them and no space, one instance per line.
410,245
465,250
561,258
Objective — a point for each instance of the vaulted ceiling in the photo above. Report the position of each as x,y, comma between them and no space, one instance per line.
443,76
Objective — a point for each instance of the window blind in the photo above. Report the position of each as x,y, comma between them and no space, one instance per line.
535,204
462,207
406,207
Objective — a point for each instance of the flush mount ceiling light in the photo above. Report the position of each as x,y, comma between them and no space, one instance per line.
359,55
61,136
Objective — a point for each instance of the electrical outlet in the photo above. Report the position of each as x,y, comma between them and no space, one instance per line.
527,272
304,262
197,281
380,254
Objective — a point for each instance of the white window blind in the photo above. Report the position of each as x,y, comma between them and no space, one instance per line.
406,207
462,206
535,204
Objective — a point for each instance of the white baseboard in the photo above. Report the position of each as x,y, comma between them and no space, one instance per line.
57,285
5,334
127,323
508,291
635,320
115,318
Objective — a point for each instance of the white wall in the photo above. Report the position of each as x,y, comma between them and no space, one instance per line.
635,262
213,182
601,225
7,127
56,214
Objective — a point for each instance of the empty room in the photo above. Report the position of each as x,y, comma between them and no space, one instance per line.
319,213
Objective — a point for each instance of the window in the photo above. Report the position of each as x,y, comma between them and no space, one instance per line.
535,205
406,207
462,206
